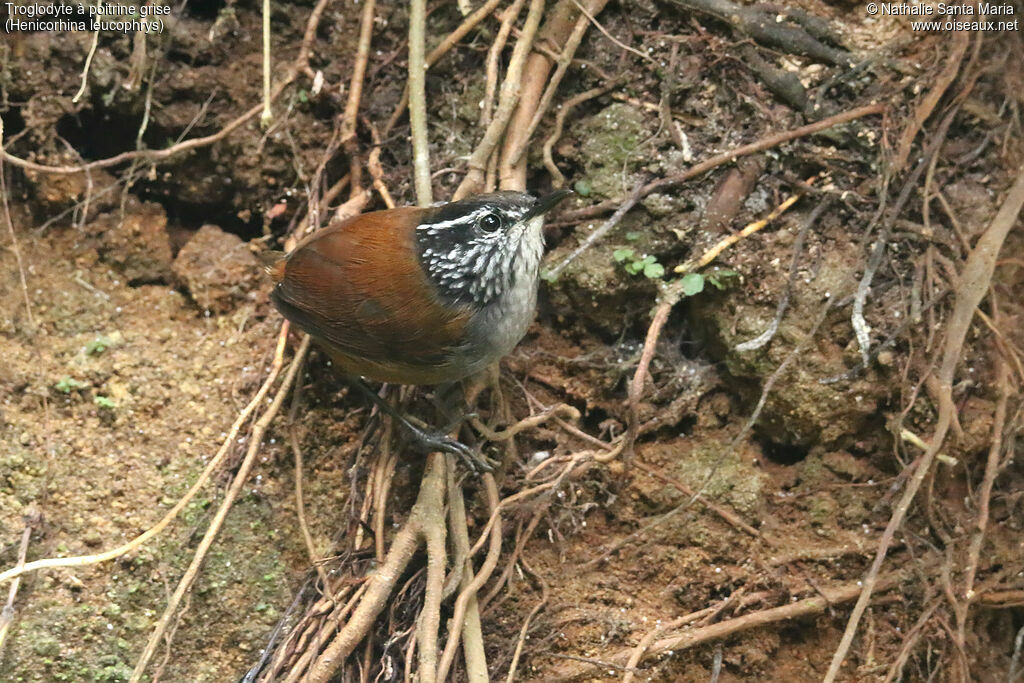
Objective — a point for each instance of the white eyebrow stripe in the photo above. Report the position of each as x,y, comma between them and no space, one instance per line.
462,220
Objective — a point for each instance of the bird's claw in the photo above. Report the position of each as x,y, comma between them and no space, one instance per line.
441,442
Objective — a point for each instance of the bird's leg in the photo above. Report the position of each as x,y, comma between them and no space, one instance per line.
430,439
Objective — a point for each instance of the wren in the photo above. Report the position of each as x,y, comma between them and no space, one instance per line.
419,295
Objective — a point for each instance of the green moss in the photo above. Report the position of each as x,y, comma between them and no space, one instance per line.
711,467
608,143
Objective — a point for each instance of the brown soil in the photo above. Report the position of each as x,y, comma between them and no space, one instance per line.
143,328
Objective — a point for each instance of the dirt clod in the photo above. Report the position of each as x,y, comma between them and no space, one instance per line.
218,270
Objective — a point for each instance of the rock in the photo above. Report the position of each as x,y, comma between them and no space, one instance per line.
137,244
218,269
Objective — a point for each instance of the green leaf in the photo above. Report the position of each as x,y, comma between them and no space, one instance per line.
68,384
632,235
303,97
719,277
104,402
582,188
693,283
654,271
621,255
634,267
98,346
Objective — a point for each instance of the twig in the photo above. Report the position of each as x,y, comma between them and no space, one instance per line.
437,53
418,108
1018,646
239,482
525,629
730,517
432,528
308,36
557,178
465,604
378,587
780,310
355,88
641,648
560,409
974,282
300,509
726,242
556,30
300,505
723,629
522,536
599,234
33,519
960,41
88,61
376,170
988,479
589,15
860,326
267,116
462,571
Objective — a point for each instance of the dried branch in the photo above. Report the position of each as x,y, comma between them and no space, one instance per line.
780,310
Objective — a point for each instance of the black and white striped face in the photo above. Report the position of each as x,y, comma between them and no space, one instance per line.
476,249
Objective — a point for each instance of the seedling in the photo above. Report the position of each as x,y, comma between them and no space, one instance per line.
68,384
635,264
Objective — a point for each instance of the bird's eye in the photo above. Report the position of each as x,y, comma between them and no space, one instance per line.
490,222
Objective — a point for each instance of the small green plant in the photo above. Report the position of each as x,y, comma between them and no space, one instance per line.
104,402
98,346
68,384
636,264
693,283
722,278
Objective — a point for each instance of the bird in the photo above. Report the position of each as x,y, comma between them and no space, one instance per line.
419,295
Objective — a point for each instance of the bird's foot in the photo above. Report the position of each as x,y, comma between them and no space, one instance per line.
438,441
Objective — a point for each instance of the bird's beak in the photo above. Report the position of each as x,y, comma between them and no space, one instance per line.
546,203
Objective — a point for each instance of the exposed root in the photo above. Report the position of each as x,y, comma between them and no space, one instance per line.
675,642
974,283
509,97
427,513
